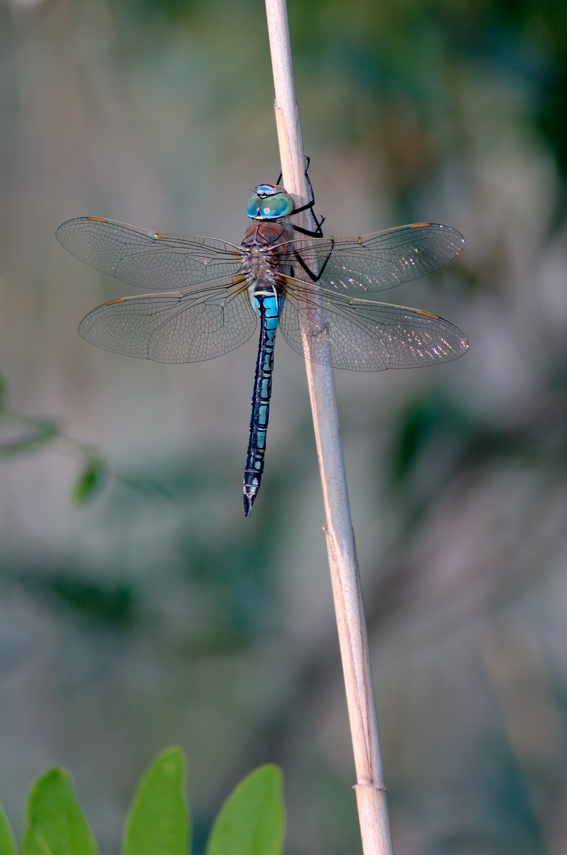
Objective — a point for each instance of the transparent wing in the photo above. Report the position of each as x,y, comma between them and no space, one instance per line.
380,261
179,326
363,335
148,259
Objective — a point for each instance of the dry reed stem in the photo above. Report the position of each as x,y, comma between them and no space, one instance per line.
341,549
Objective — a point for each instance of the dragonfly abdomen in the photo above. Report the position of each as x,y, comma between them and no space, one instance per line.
268,302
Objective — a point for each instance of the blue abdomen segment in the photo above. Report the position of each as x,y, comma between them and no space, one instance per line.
269,306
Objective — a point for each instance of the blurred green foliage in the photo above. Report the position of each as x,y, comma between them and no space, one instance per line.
251,822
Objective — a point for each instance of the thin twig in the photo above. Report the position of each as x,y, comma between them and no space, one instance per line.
370,787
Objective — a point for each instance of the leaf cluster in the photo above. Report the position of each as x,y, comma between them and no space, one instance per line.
251,821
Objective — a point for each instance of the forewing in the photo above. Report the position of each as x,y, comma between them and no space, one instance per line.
148,259
363,335
179,326
380,261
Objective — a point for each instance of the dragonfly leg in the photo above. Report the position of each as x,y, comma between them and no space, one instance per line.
314,276
307,162
317,232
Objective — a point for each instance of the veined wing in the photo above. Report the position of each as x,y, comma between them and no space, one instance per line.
148,259
363,335
382,260
179,326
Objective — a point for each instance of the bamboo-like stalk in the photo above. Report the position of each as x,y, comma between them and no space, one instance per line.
345,578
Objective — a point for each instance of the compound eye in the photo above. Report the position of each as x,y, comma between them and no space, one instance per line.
269,207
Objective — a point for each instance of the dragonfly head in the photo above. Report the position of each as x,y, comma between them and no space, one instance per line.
269,202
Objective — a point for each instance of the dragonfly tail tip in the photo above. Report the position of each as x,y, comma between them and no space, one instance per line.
248,503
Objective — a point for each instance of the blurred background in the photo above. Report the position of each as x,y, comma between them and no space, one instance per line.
155,613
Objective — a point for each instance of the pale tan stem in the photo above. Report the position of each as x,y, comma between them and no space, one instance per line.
370,788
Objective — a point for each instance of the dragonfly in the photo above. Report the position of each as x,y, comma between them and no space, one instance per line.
208,295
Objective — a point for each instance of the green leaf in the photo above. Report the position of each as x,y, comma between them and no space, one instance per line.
56,824
7,840
39,434
90,482
159,817
252,820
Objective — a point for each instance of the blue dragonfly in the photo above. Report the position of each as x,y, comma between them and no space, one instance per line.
210,294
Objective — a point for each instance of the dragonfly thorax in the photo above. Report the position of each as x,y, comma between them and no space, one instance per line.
265,251
266,245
